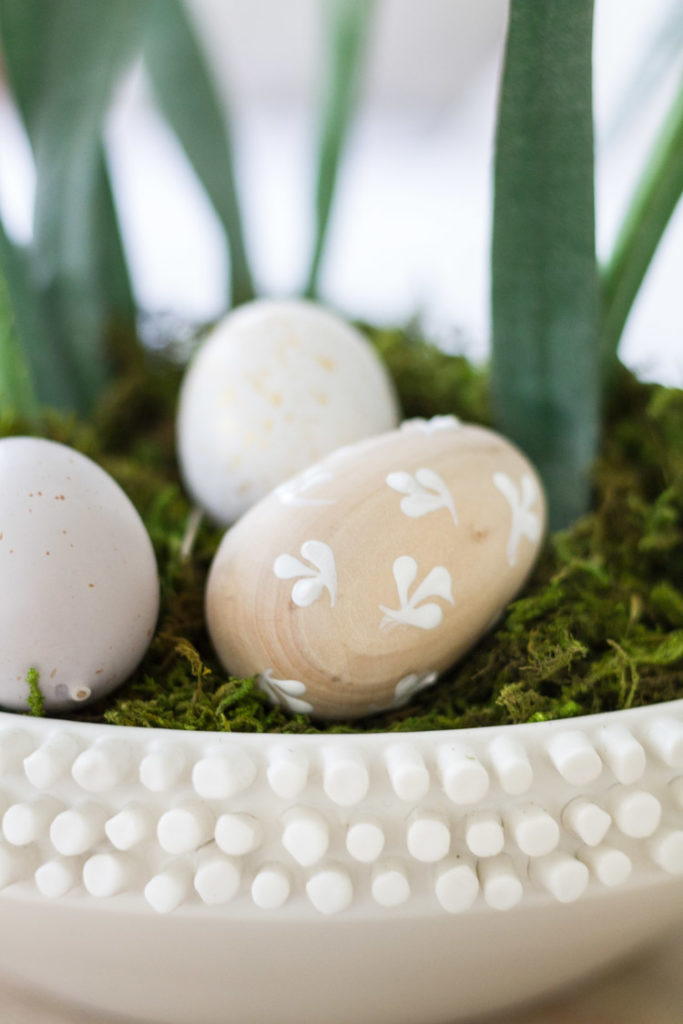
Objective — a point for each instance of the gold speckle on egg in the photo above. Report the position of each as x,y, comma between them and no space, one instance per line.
326,363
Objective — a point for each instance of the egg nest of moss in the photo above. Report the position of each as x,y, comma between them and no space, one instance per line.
598,627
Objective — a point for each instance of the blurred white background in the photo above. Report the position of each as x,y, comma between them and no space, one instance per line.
410,233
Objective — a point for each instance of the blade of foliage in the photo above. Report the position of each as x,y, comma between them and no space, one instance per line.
654,201
48,370
345,33
545,383
26,29
187,96
89,46
659,57
16,385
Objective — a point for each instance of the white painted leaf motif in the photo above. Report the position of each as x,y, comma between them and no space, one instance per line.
525,522
412,611
432,425
424,493
312,579
410,685
406,688
293,491
285,692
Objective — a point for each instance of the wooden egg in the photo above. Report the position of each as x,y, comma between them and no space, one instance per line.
358,582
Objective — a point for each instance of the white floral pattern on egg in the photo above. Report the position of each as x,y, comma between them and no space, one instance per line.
414,544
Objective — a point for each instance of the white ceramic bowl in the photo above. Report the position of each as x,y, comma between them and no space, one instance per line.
192,878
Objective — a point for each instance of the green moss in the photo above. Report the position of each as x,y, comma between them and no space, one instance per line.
598,627
36,701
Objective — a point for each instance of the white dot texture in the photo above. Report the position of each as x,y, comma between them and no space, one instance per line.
511,764
534,830
365,840
345,776
561,875
574,756
305,835
330,890
56,877
169,888
52,760
271,887
484,833
666,850
390,885
220,776
456,885
463,776
162,767
238,833
78,829
636,812
106,874
183,829
287,772
622,753
588,821
428,836
407,772
501,887
217,878
611,867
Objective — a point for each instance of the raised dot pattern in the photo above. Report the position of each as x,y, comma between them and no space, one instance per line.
466,821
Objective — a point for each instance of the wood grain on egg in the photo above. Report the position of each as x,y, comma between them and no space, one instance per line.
354,585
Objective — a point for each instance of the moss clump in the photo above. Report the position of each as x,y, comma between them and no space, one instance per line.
36,701
598,627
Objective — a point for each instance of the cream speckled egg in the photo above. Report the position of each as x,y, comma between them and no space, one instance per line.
79,591
360,581
275,386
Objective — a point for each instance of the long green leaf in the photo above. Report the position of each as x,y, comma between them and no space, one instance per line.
16,385
345,35
27,29
89,46
545,372
187,96
654,201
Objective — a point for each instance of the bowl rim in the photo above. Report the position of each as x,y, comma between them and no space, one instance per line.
11,721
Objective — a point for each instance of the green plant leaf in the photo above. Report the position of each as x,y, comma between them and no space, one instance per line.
89,46
545,371
187,96
16,384
27,28
654,200
345,35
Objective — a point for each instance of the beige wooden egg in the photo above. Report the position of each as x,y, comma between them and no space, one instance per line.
361,580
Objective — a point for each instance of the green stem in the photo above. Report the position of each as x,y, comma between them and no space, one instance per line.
345,34
654,201
545,369
186,93
16,386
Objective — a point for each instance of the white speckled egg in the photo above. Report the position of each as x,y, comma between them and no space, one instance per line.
79,592
359,582
275,386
